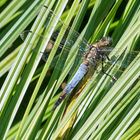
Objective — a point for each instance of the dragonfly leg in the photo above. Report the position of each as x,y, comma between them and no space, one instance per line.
107,57
60,99
112,77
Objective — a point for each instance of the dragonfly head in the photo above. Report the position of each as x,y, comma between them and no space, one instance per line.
104,42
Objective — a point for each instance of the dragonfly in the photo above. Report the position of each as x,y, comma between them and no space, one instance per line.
92,57
92,54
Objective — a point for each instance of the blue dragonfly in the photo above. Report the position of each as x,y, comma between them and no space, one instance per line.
92,54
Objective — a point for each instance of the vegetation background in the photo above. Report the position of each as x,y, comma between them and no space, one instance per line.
103,110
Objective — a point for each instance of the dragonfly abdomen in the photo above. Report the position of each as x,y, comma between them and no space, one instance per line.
82,70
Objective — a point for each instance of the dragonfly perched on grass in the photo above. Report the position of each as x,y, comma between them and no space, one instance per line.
92,57
92,54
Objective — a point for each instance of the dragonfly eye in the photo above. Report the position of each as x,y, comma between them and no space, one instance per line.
110,41
107,41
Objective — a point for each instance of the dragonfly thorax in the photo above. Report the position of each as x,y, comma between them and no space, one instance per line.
92,57
97,53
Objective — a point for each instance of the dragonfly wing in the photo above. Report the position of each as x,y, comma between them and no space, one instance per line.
68,43
121,64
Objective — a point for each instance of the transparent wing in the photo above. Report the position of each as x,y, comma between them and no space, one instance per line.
66,43
82,50
69,43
